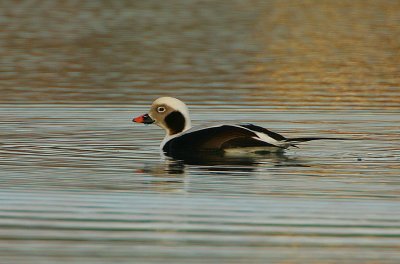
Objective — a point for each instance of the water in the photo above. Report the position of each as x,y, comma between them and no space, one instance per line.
81,183
85,185
268,52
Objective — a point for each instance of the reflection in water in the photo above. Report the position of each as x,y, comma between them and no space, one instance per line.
222,162
176,174
214,159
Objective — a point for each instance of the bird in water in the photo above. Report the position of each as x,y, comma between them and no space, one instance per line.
172,115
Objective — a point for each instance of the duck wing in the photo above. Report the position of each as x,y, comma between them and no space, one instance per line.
269,133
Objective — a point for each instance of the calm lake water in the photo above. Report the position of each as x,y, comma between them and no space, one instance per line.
81,183
85,185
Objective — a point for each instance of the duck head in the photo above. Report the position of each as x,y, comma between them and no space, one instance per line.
169,113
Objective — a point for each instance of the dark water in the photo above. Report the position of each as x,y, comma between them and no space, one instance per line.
80,183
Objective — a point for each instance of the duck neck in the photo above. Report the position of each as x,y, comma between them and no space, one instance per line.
176,123
171,133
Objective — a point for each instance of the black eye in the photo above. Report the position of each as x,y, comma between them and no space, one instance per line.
161,109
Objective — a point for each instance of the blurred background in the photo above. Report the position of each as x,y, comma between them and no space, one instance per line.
335,54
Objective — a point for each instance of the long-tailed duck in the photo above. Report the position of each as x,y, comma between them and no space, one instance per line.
173,115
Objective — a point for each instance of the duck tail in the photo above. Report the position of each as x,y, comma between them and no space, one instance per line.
305,139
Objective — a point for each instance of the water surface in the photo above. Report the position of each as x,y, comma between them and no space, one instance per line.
84,184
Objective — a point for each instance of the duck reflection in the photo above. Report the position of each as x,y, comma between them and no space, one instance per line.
209,158
175,165
226,162
176,173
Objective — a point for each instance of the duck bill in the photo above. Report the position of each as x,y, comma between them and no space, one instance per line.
145,119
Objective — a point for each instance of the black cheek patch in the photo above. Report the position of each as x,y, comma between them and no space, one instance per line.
175,122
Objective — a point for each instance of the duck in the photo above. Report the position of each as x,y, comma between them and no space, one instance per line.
172,115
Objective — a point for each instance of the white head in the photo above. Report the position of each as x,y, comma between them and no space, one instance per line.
169,113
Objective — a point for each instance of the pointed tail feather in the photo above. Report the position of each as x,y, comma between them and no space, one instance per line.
305,139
